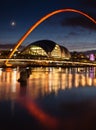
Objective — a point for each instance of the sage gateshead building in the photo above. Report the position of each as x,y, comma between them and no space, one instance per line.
45,49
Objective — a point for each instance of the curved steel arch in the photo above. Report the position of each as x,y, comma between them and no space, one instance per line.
39,22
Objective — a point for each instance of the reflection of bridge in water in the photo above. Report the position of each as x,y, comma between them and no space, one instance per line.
45,85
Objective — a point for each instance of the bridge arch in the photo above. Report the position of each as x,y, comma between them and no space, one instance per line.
40,21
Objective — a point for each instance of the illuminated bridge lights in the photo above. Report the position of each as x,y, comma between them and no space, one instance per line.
39,22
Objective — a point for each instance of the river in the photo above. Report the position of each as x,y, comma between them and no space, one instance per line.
48,98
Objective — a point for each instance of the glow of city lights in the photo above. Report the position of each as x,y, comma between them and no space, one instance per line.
92,57
14,81
0,71
39,22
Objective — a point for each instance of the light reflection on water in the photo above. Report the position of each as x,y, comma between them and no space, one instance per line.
45,80
61,92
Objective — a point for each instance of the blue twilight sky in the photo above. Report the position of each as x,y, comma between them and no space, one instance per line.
68,29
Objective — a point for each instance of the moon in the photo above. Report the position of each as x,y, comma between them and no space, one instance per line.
13,23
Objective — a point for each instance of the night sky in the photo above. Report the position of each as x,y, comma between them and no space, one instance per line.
69,29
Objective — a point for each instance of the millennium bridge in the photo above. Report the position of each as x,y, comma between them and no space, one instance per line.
36,62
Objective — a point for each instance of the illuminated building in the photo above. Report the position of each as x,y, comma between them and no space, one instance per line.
46,48
92,57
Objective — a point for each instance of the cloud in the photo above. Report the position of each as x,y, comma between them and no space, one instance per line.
79,21
71,34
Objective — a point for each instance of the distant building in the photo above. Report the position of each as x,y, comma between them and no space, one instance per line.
46,48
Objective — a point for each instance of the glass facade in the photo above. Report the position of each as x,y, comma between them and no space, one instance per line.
56,52
48,49
35,50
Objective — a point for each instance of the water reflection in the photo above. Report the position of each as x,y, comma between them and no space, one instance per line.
56,97
24,74
41,81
